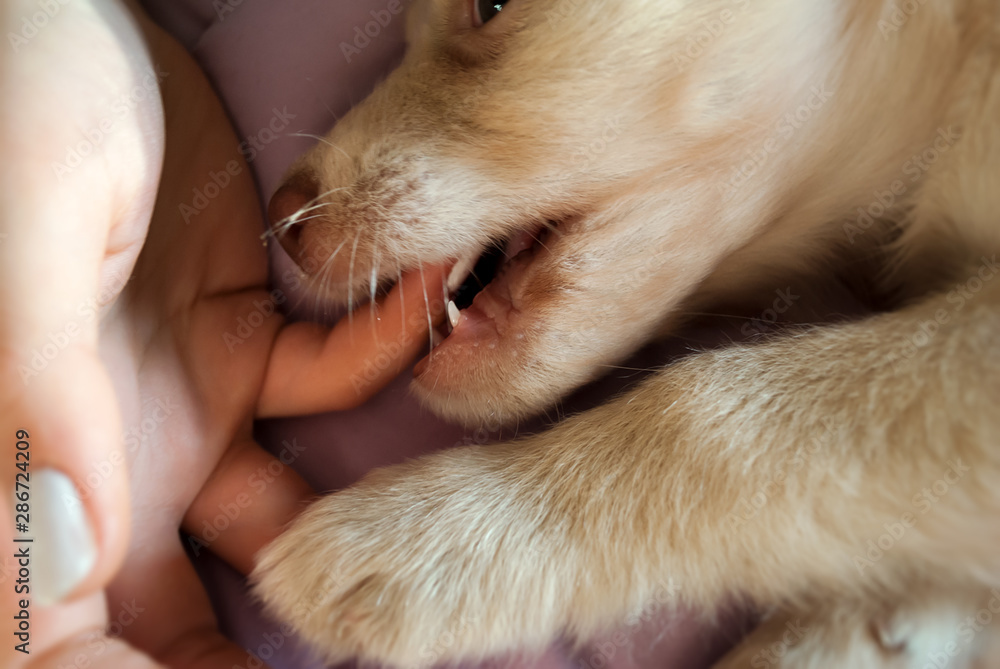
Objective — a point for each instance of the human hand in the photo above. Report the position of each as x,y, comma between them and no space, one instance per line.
152,356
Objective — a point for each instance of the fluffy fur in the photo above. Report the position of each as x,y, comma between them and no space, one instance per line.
845,476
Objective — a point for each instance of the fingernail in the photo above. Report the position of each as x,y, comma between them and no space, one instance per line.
64,551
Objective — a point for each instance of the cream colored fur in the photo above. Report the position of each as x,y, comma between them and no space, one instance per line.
773,472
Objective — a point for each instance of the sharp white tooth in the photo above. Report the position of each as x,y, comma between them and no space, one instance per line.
460,272
453,313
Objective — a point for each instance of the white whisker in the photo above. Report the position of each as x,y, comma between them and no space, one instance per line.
350,282
427,306
322,139
373,284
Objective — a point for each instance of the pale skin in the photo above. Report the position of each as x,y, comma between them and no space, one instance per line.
68,240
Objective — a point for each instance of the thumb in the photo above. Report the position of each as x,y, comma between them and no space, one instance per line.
82,154
78,635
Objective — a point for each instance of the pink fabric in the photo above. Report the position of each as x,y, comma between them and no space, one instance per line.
281,70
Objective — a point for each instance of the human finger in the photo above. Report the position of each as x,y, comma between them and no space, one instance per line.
313,368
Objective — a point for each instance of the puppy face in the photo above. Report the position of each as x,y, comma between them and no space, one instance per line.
580,138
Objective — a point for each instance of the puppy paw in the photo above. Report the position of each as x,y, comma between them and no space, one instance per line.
448,558
849,634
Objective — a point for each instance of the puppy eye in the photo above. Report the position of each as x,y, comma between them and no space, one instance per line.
487,9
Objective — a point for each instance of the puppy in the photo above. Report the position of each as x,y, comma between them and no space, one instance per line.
634,161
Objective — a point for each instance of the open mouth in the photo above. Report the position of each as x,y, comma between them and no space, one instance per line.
484,287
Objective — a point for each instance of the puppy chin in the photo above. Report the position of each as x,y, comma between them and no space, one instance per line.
480,387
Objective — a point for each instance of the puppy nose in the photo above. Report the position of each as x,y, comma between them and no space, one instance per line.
286,212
